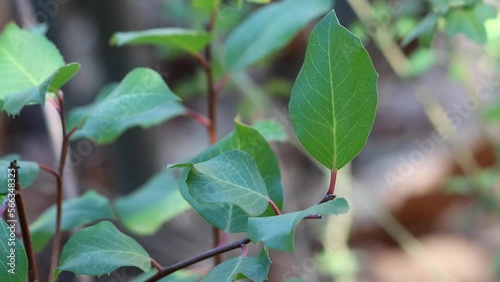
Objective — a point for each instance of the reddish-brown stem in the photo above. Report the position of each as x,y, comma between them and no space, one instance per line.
275,207
333,180
23,219
185,263
156,265
201,119
244,250
56,247
223,82
48,169
223,239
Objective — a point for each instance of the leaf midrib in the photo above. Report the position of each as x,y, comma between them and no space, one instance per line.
20,67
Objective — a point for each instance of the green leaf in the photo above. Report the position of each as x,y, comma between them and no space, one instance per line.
252,268
83,210
12,270
150,206
227,217
277,232
178,276
271,130
269,29
334,98
424,30
469,21
101,249
206,4
192,41
28,172
141,99
30,66
231,177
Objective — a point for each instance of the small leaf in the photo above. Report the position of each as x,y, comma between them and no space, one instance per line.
192,41
141,99
150,206
231,177
271,130
12,269
228,217
469,21
30,66
86,209
28,172
101,249
252,268
334,98
424,30
270,29
277,232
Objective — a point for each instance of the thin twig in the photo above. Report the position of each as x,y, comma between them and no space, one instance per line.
48,169
23,219
201,119
185,263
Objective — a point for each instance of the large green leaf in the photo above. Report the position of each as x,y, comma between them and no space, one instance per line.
14,266
80,211
101,249
232,177
334,98
253,268
150,206
228,217
141,99
277,232
269,29
30,66
469,21
192,41
28,172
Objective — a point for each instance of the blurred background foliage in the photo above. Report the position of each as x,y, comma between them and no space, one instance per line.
425,193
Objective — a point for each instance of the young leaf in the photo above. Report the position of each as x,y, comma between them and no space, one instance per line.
277,232
271,130
231,177
150,206
334,98
141,99
86,209
227,217
30,66
252,268
28,172
469,21
269,29
192,41
101,249
14,266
